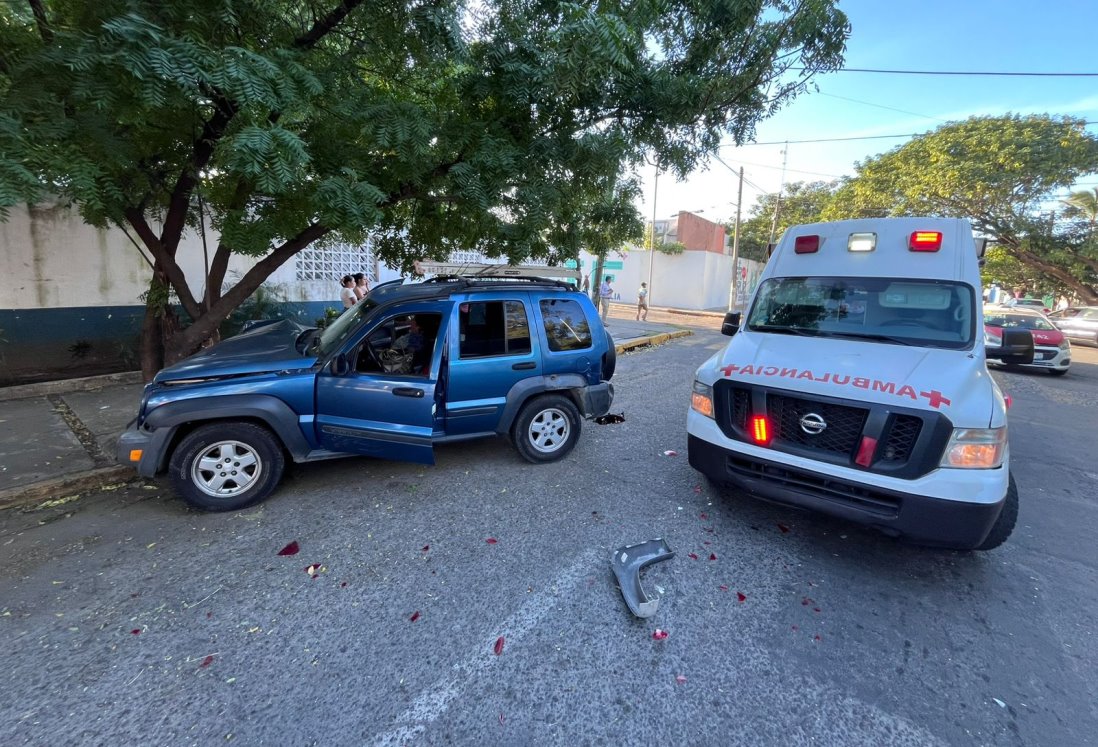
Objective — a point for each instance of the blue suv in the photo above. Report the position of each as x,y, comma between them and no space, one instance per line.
408,367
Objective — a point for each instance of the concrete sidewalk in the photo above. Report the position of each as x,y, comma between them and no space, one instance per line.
58,438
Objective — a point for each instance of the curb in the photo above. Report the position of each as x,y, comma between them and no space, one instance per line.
64,386
80,482
640,342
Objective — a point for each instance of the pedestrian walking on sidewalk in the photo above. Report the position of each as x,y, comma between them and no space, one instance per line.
642,303
606,292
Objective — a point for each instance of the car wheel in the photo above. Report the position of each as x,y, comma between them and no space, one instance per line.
1008,517
226,466
1057,371
546,428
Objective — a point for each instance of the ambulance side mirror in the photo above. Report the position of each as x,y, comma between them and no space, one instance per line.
1017,347
731,323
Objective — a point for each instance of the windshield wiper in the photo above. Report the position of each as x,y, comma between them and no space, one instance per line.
870,336
784,330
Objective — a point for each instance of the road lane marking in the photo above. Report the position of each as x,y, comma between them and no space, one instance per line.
436,700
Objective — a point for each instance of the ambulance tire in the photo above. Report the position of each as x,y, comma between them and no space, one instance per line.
1004,525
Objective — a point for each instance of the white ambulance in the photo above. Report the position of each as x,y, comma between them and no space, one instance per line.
857,385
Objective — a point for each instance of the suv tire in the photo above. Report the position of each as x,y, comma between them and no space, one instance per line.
546,429
1008,517
226,466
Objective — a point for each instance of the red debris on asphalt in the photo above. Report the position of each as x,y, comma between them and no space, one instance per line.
795,627
815,609
414,617
712,556
425,548
817,637
723,587
498,648
740,596
681,679
703,517
693,556
343,584
136,631
501,719
805,601
670,452
491,540
206,662
291,549
784,528
659,635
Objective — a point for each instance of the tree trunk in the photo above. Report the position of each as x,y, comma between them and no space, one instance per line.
152,358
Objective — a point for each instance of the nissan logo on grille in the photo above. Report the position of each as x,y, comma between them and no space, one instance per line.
813,424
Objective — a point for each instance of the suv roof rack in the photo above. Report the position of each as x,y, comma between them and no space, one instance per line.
468,270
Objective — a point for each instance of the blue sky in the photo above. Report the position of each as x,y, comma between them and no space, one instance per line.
968,35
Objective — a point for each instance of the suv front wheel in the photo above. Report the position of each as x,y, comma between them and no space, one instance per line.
546,428
226,466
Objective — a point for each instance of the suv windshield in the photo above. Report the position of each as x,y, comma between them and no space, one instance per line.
926,313
335,333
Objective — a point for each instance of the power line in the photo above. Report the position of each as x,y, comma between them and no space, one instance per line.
960,72
841,139
879,106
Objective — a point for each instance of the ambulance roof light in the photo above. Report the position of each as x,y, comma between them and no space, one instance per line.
806,244
925,241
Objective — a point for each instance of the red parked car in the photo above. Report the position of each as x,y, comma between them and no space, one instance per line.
1051,350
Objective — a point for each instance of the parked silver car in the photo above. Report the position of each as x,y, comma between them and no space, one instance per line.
1079,323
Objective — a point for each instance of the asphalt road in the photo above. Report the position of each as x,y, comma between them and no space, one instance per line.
126,618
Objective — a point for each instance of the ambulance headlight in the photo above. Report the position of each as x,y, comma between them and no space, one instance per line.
701,399
976,448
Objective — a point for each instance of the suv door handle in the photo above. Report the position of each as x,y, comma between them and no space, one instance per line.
408,391
524,366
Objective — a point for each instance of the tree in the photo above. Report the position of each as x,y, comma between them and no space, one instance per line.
1083,205
999,172
512,126
802,202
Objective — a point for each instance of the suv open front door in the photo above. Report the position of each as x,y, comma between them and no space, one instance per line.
366,405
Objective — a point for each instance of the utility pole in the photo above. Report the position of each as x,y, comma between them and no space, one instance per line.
652,235
736,246
778,202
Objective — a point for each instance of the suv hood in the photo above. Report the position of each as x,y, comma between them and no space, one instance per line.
269,347
954,382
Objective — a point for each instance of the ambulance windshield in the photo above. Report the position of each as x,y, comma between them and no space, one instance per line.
925,313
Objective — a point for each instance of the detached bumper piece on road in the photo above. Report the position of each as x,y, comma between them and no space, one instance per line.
627,564
923,519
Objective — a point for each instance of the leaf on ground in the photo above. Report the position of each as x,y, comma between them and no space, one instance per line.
498,648
670,452
313,569
414,617
712,556
741,596
693,556
136,631
425,548
659,635
291,549
681,679
206,662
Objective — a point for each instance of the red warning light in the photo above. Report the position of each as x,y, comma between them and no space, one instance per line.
806,244
760,430
925,241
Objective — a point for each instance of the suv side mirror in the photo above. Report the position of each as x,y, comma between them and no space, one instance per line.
731,323
1017,347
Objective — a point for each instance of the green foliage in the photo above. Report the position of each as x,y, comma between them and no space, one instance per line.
264,303
513,127
1082,205
330,315
998,172
802,202
671,247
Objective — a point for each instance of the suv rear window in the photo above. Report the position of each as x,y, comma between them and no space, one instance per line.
566,326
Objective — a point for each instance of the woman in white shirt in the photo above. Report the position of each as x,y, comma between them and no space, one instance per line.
347,295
